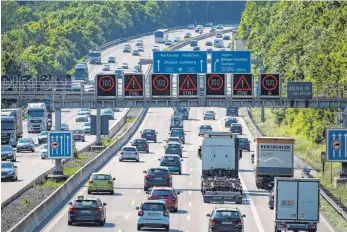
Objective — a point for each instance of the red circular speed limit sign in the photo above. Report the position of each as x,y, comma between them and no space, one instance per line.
106,83
160,82
215,82
269,82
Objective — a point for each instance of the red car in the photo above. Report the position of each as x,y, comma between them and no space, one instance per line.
168,194
78,135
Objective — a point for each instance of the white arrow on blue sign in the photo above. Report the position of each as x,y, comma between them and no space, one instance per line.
336,144
60,145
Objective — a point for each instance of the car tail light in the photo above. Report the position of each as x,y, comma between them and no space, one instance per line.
273,195
146,145
98,210
312,226
133,144
110,182
212,222
174,199
169,177
122,153
90,182
149,197
166,213
140,213
239,222
73,210
148,176
135,153
282,225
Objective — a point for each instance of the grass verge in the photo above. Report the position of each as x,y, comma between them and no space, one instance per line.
49,184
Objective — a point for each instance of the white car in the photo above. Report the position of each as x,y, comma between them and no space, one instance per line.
153,214
173,139
129,153
125,65
209,115
86,127
177,39
89,112
139,42
44,152
106,67
82,116
141,48
156,49
204,128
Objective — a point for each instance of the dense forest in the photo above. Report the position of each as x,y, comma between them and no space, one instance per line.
51,36
303,41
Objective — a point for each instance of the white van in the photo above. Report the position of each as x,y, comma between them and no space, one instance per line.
218,43
176,121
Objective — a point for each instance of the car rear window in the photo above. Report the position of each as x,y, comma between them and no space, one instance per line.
153,207
140,141
176,133
77,132
226,215
173,146
174,140
148,131
129,149
6,148
161,172
101,177
170,161
205,127
236,125
161,193
85,204
45,132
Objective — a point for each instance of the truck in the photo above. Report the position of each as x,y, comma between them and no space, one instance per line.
220,156
94,57
296,204
274,157
37,117
11,126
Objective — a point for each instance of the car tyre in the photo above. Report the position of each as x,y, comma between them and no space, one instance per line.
33,150
39,141
167,228
14,159
112,192
120,160
89,192
18,150
180,172
147,151
139,228
145,188
138,160
175,210
69,223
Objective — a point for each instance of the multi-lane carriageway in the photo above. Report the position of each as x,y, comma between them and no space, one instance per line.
30,165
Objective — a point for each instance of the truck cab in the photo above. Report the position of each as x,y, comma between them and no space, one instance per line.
11,126
37,116
94,57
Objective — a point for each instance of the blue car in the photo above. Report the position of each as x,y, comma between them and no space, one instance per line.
178,132
172,162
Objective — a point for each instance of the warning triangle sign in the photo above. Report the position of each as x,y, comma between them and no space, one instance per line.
242,84
133,85
188,84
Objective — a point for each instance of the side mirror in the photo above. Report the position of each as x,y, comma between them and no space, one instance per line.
243,215
113,178
15,166
181,159
156,132
137,208
178,193
159,159
70,203
104,204
144,171
208,215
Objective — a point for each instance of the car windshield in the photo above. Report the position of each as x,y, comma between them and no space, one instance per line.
46,132
77,131
82,113
24,140
101,177
129,149
6,148
111,58
205,127
85,204
226,215
6,165
153,207
86,124
161,172
161,193
124,64
170,145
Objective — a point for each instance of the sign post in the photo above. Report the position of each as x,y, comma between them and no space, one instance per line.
242,85
161,85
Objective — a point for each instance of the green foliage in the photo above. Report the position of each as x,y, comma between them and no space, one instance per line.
49,184
303,40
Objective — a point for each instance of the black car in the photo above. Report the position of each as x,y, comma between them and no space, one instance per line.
196,48
87,210
236,128
157,177
174,148
229,121
149,134
233,111
226,219
226,37
141,145
193,43
244,144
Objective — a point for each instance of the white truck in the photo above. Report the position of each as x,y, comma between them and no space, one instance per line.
296,204
274,157
37,117
11,126
176,121
220,168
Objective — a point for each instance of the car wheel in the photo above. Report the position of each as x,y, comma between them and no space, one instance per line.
15,179
145,188
69,223
139,227
33,150
112,192
14,159
147,151
175,210
18,150
89,192
39,142
102,223
120,160
155,141
167,228
180,172
138,160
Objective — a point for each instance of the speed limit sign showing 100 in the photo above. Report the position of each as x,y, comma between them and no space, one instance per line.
270,85
161,84
215,84
106,85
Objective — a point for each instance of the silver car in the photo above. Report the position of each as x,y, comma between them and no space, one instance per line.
25,144
42,138
7,152
86,127
44,152
82,116
8,171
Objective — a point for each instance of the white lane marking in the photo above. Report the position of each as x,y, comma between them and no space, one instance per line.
188,217
191,169
138,191
190,183
190,192
126,217
191,175
133,203
327,223
191,164
142,182
190,204
119,230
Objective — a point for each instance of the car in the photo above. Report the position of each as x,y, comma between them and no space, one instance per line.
168,194
87,110
111,59
183,111
129,153
236,128
226,219
119,72
89,89
228,121
42,137
232,111
198,28
178,132
109,113
7,152
127,48
187,35
209,50
86,127
155,49
244,144
191,26
149,134
141,145
171,162
223,49
106,67
8,171
173,139
219,26
78,135
213,29
153,214
208,43
76,87
125,65
25,144
136,52
82,116
209,115
101,182
137,68
209,24
139,42
194,43
177,39
87,210
157,177
168,43
141,48
196,48
64,127
219,35
204,128
44,152
272,198
229,45
226,37
174,148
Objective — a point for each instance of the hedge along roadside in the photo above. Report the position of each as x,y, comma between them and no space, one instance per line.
59,197
41,178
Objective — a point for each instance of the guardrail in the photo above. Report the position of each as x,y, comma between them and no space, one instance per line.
328,196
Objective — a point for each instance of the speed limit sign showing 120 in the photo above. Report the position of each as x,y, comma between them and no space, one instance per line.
215,84
270,86
161,85
106,85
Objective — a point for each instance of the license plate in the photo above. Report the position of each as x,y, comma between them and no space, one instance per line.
153,214
163,199
100,188
227,223
158,178
85,211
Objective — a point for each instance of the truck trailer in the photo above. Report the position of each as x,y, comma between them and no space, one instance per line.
11,126
296,204
274,157
220,168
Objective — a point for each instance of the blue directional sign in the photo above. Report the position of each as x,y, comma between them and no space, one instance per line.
337,144
179,62
60,145
231,62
